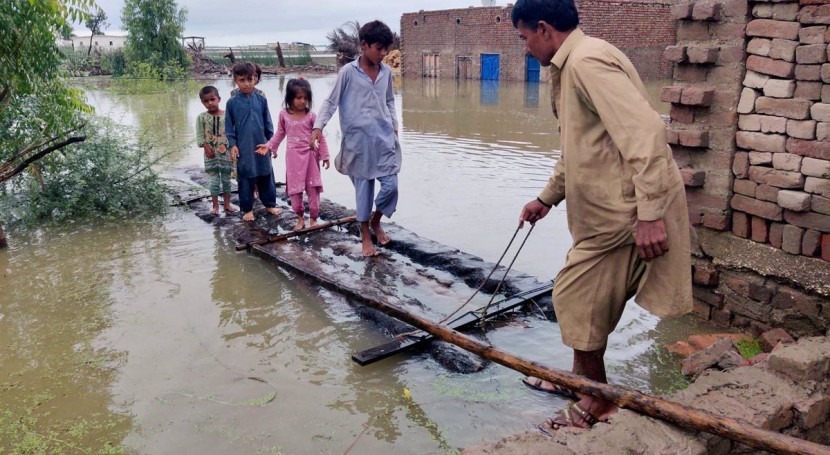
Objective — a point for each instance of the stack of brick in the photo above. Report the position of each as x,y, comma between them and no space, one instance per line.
782,170
709,63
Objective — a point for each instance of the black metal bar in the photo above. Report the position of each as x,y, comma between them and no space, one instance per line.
464,321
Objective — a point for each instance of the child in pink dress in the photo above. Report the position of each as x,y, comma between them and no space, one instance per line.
302,162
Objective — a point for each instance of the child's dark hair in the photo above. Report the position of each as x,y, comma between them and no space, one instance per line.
376,32
243,69
292,88
208,90
257,71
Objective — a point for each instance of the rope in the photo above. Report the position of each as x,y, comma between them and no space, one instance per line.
483,311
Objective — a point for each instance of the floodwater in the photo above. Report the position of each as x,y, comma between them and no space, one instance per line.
156,337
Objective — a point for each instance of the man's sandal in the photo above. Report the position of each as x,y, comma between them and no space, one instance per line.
538,383
566,419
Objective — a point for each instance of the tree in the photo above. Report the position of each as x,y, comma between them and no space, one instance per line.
96,23
344,42
154,31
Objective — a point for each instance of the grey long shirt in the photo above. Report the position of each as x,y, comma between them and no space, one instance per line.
368,122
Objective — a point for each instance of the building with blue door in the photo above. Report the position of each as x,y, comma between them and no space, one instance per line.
481,43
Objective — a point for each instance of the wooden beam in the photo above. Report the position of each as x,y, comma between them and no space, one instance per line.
288,235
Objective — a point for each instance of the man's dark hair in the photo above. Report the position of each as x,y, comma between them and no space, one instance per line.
292,88
208,90
243,69
375,32
561,14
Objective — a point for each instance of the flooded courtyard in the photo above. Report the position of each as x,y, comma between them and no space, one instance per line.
156,336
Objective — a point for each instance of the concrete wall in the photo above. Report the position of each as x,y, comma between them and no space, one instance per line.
100,43
642,29
750,128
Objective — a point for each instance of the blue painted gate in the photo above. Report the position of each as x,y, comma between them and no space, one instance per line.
533,69
489,67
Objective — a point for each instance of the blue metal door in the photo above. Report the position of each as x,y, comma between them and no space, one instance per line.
533,69
489,67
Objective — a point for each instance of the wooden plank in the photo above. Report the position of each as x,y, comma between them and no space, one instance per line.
288,235
465,321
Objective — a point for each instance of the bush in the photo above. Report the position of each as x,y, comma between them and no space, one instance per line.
110,175
114,62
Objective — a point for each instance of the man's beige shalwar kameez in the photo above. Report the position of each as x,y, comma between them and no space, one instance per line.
616,168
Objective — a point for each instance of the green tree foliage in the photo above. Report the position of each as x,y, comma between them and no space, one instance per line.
96,23
154,31
35,102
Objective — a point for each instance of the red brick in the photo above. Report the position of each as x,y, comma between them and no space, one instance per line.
769,66
761,142
825,247
730,54
740,224
767,193
812,149
694,96
790,108
726,31
808,90
701,198
812,35
672,138
772,337
671,94
693,138
755,207
792,239
808,72
814,15
768,28
701,55
677,54
759,230
711,298
811,53
811,243
720,317
745,187
782,49
706,11
776,234
705,276
740,165
682,114
716,221
776,178
820,204
808,220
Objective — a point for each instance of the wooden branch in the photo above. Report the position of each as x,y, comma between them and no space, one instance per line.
659,408
8,164
40,155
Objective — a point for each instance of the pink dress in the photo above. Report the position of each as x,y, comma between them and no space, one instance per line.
302,164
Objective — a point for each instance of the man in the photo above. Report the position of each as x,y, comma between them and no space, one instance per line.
626,200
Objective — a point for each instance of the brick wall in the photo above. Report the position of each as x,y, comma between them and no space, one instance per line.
751,131
642,29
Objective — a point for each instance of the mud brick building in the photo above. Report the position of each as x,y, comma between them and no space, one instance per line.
481,43
750,127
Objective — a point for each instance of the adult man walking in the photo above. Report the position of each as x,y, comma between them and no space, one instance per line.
626,201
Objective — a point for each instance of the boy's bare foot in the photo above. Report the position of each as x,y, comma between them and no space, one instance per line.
383,239
230,208
313,222
248,216
366,239
215,210
273,211
300,224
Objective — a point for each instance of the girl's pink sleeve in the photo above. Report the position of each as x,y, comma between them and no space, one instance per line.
323,148
274,143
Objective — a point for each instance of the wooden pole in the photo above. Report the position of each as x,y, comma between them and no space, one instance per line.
659,408
288,235
280,58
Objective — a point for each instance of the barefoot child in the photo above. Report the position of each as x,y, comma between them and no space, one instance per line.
302,161
210,134
248,123
369,150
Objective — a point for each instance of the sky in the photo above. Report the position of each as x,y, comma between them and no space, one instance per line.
244,22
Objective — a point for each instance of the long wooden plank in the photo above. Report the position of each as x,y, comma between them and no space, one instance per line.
288,235
676,413
465,321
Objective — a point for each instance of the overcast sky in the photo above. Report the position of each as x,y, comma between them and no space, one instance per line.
242,22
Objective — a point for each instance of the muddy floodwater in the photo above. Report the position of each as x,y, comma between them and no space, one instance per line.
157,337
